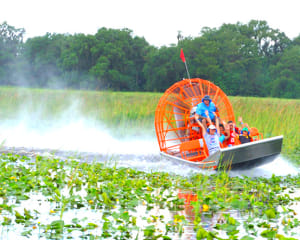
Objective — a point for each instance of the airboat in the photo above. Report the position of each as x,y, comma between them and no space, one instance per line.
173,118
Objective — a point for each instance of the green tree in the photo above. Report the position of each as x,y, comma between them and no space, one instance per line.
243,59
237,56
76,60
286,75
43,54
119,59
223,56
11,40
296,41
163,68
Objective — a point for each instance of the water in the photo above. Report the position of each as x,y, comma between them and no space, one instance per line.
83,139
280,167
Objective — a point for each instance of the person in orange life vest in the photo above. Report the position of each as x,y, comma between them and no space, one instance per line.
212,137
244,137
233,133
224,134
193,129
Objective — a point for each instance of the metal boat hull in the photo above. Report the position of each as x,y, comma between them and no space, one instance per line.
246,155
251,154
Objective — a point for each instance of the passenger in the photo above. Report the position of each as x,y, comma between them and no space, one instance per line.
202,108
224,134
211,136
243,125
244,137
233,134
193,129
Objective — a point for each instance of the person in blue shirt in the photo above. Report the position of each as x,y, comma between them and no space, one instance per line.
206,110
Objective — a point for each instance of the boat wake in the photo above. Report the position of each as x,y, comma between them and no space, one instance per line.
87,142
279,167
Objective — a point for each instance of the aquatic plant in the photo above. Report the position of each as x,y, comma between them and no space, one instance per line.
70,198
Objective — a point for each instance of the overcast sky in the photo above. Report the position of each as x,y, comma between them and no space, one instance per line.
157,20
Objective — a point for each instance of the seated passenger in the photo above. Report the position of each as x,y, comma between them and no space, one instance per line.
211,136
224,134
244,137
206,106
193,130
233,134
242,124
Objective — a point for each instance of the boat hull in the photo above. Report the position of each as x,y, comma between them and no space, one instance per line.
246,155
251,154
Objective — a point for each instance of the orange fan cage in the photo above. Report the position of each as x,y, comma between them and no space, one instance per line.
173,116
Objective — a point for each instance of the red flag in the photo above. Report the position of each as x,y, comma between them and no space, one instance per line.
182,55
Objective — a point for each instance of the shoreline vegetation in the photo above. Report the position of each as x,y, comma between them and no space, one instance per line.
133,112
244,59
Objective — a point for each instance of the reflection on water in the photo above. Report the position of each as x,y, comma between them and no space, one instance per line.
210,220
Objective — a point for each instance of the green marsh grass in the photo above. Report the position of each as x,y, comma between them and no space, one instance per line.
273,117
132,113
121,111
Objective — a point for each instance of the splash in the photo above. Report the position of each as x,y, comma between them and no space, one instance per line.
91,140
88,141
79,136
279,167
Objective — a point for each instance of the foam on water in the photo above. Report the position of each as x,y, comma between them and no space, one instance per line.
280,167
140,153
74,136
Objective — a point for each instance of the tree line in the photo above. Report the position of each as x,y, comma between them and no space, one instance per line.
243,59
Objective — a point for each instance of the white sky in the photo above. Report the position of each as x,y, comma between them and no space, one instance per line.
157,20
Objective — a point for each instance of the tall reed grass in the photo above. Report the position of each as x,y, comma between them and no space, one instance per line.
272,117
133,112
